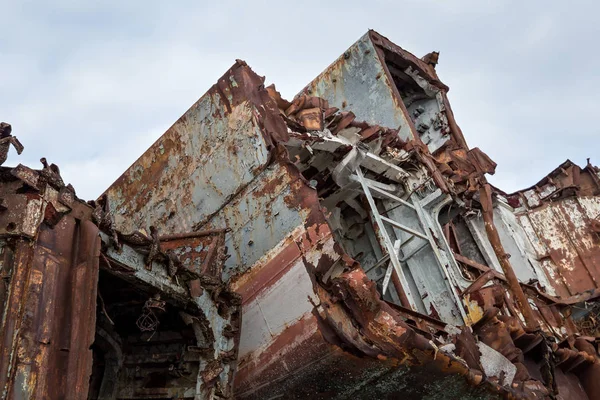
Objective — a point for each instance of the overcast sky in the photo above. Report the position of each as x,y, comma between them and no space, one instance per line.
90,85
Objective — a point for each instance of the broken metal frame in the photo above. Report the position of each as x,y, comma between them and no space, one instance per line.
132,267
341,315
346,176
393,248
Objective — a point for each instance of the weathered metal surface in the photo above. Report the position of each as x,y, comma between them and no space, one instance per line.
427,267
58,342
50,275
199,362
485,197
563,231
357,81
558,216
463,170
383,84
283,257
211,153
275,356
249,253
266,345
6,140
513,235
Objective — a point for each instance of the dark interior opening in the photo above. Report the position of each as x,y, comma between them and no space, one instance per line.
409,90
139,351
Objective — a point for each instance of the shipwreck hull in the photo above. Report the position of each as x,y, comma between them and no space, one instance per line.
342,244
88,316
307,302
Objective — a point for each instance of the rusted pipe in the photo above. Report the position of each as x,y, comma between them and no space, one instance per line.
479,282
400,290
189,235
476,265
485,198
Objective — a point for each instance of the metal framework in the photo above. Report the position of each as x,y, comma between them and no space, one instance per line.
394,258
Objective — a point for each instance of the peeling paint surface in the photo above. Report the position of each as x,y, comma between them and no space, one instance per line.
343,244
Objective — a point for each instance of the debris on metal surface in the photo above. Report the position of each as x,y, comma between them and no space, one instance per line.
6,139
148,321
83,317
342,244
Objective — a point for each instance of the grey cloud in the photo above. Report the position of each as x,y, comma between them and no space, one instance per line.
90,85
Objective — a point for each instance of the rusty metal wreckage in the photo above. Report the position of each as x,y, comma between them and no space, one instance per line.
345,244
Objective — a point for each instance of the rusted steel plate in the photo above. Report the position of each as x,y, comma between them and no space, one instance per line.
260,217
563,229
211,153
357,81
293,327
200,255
50,327
314,325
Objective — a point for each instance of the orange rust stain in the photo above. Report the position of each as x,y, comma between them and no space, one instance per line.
270,187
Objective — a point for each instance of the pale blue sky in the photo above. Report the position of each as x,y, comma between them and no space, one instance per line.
90,85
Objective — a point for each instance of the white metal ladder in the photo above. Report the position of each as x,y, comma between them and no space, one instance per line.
393,249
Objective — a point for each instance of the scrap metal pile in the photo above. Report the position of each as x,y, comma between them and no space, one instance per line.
342,244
